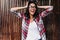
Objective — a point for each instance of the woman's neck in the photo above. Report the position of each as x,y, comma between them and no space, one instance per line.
31,18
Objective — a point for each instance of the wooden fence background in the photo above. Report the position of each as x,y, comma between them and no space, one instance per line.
10,25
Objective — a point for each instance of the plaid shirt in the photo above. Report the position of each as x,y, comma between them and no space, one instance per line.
38,20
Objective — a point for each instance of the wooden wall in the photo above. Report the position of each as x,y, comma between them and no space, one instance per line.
10,25
56,12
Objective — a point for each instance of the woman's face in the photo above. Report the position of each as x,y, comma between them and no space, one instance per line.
32,8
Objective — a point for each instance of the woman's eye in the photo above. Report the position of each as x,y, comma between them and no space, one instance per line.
32,6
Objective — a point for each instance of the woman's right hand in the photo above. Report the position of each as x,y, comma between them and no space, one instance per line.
26,4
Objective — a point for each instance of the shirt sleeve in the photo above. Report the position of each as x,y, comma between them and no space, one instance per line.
44,37
46,12
18,14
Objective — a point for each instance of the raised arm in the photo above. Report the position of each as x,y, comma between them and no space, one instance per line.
17,8
14,11
44,7
46,12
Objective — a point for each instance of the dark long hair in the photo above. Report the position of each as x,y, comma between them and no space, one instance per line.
27,14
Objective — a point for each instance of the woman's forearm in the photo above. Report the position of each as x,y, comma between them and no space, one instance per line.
17,8
45,7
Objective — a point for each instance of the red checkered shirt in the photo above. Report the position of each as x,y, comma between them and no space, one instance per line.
38,20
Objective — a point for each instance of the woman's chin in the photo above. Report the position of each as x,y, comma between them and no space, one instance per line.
32,14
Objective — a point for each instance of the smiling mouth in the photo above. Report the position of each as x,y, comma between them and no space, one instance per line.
32,11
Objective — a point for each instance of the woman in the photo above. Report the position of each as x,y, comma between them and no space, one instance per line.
32,24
